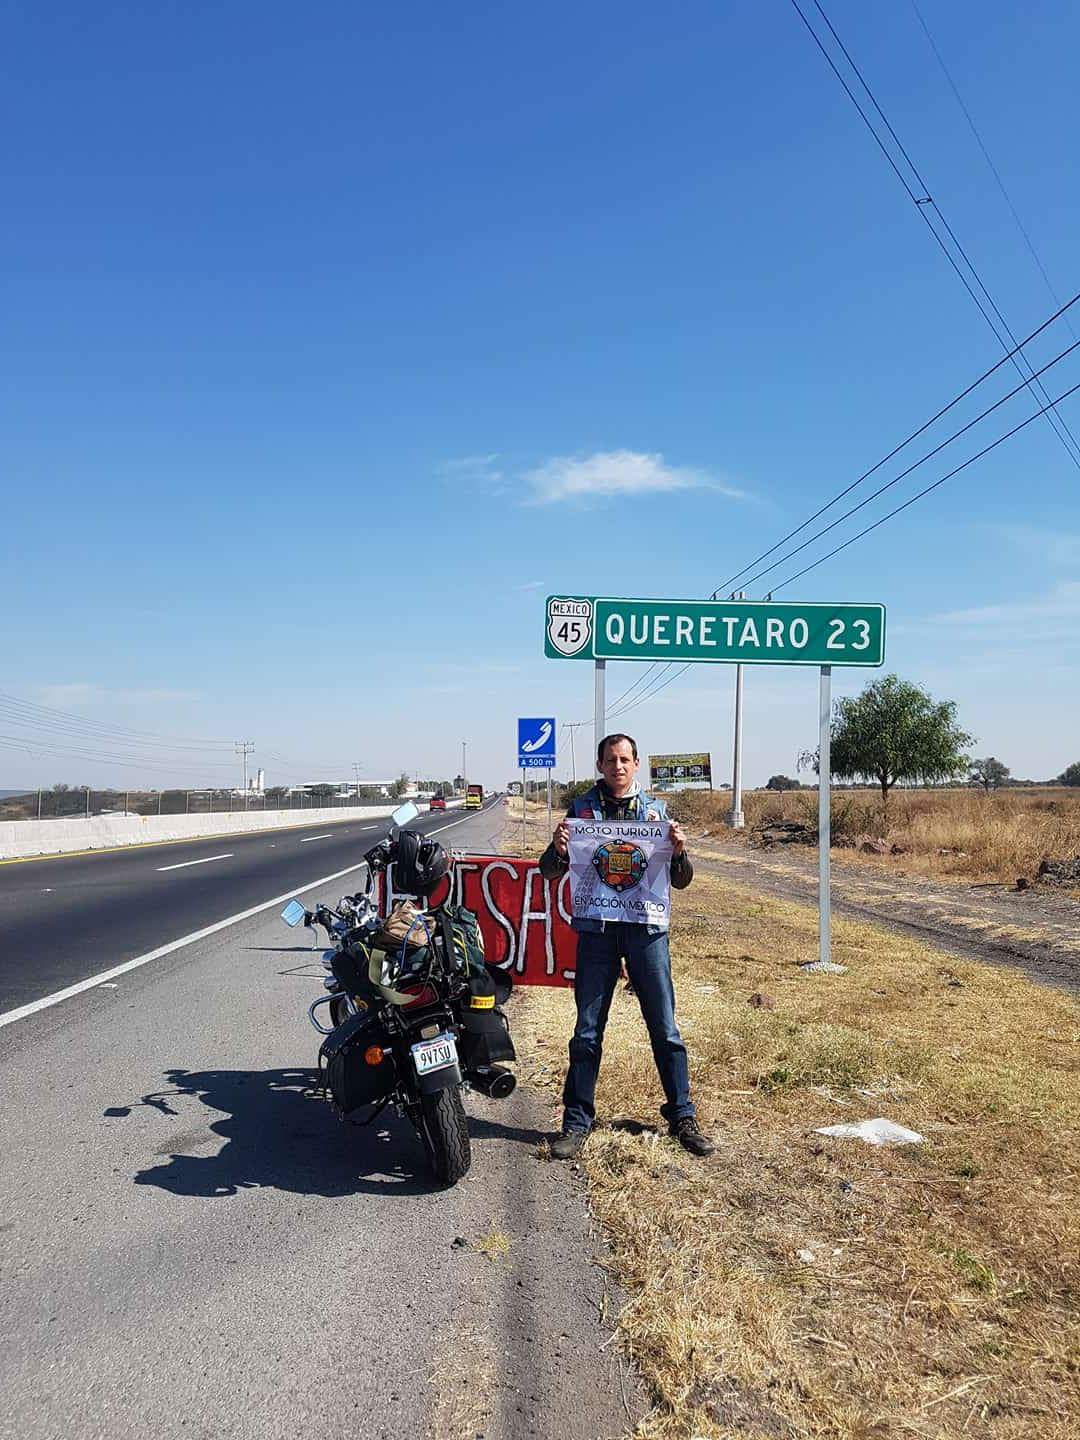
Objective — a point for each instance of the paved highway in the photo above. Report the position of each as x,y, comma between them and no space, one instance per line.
193,1246
64,918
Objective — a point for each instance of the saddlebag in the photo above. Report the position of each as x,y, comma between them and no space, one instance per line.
346,1076
485,1031
485,1039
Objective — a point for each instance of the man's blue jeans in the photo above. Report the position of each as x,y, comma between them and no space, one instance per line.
648,964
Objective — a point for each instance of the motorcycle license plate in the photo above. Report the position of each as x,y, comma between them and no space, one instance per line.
434,1054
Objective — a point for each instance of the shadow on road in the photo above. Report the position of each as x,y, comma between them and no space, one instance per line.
277,1133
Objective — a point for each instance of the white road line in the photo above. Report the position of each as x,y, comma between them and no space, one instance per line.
22,1011
308,838
183,865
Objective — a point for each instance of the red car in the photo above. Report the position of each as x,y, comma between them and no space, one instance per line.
437,803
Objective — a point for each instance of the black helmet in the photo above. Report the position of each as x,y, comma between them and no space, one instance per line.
419,863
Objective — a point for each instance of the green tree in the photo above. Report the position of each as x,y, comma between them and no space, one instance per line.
782,782
1070,776
399,786
896,731
988,773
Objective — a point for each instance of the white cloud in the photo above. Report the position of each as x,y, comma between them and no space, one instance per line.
1063,602
468,462
475,471
531,585
1056,548
614,472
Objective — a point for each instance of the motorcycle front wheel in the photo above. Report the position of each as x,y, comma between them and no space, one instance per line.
444,1132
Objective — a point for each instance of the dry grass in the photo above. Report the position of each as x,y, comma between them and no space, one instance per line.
797,1286
987,837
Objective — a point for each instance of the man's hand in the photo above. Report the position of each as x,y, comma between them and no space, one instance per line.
561,839
677,836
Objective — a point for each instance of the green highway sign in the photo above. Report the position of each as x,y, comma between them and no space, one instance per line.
750,632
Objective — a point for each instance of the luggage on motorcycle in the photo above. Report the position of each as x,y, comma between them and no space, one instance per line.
485,1039
405,927
350,970
462,938
503,981
345,1072
466,945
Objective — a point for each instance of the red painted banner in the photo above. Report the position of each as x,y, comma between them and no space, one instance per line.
524,919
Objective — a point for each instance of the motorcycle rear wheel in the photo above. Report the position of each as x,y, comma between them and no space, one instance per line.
444,1131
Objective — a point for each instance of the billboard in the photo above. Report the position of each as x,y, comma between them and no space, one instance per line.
681,772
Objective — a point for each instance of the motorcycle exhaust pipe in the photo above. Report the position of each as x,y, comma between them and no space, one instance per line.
495,1081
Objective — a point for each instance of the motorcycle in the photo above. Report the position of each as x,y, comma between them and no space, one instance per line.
414,1012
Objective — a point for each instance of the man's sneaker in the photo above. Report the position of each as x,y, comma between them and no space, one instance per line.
569,1144
688,1133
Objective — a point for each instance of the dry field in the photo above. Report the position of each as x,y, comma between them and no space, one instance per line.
962,832
798,1287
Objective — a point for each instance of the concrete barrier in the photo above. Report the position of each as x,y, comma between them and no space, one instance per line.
21,839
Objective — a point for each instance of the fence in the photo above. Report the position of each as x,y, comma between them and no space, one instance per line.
69,804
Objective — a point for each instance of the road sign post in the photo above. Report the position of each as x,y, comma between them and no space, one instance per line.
536,751
737,821
732,632
599,704
825,815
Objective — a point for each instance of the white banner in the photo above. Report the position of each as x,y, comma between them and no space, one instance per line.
620,870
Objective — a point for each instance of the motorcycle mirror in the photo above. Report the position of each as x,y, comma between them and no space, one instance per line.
403,814
293,914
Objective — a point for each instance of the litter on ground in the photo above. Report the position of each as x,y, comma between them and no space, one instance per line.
873,1132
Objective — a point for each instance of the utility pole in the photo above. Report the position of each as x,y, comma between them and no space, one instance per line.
464,772
356,775
737,820
244,748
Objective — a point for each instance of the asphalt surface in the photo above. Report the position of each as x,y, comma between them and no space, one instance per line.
192,1245
63,918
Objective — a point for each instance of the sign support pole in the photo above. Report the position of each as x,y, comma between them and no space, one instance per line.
599,704
523,810
737,821
824,815
549,799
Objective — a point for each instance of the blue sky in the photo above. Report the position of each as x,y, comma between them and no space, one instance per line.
336,338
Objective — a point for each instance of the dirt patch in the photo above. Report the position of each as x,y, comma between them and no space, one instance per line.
1036,930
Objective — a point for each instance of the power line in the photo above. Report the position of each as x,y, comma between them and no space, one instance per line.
1011,394
925,203
986,156
44,713
1065,395
902,445
978,456
656,681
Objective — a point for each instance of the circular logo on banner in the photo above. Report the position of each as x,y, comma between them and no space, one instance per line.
620,865
570,625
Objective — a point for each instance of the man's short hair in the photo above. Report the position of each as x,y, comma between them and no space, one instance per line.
614,740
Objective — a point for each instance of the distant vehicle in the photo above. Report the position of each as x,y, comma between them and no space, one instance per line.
474,797
436,803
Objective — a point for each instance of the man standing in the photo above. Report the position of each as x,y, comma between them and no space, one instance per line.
603,944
